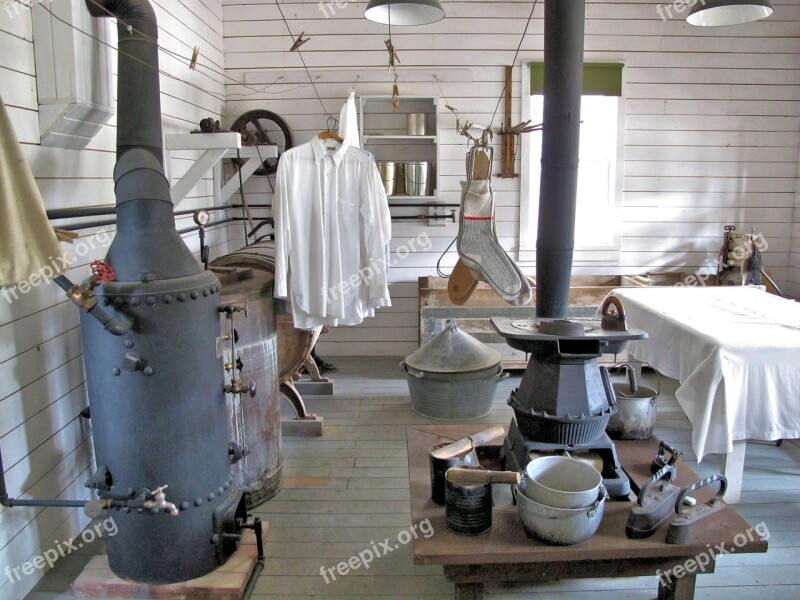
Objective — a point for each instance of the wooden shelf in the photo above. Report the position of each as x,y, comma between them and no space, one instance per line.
215,147
431,198
372,137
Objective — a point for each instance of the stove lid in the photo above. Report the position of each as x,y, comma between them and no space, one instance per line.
453,351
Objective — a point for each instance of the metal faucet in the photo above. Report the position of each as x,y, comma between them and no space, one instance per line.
159,502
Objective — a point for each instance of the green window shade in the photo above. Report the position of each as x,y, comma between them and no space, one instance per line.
599,79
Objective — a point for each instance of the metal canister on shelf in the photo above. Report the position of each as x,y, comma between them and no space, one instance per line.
417,124
388,171
416,177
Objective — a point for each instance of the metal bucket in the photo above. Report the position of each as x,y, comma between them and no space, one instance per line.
417,176
636,410
468,508
417,124
254,423
388,171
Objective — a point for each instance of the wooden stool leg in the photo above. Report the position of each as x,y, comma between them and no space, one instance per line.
469,591
678,589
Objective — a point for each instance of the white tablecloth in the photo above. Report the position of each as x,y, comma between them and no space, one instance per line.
736,353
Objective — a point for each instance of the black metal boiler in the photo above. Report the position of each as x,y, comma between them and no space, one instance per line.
156,391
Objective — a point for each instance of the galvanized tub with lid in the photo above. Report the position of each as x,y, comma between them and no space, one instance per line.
454,376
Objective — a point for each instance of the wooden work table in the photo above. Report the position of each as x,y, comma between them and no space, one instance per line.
506,554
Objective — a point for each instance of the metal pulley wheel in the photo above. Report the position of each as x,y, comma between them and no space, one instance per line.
267,128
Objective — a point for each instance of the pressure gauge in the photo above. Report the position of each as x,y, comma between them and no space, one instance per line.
201,217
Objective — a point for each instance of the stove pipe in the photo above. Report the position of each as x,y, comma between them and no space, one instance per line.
563,85
157,393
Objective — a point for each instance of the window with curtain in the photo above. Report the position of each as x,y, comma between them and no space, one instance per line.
600,167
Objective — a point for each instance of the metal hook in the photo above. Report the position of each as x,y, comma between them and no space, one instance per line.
331,123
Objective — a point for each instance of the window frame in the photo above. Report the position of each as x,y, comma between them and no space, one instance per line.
584,255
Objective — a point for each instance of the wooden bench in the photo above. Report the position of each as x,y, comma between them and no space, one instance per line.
507,554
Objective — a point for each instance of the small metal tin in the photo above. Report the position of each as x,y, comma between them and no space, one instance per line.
468,508
439,467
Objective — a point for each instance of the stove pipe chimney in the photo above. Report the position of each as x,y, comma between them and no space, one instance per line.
563,85
157,392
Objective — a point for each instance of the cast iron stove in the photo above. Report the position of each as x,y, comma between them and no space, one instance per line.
565,398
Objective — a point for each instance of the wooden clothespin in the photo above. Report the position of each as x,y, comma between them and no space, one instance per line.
395,96
298,42
393,58
195,56
66,236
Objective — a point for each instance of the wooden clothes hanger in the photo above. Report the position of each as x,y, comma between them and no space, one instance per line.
329,133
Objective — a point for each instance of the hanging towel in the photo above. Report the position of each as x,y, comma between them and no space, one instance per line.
28,243
348,122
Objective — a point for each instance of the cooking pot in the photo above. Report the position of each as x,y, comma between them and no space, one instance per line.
561,482
560,526
454,376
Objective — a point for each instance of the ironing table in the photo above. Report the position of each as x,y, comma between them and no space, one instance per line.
735,352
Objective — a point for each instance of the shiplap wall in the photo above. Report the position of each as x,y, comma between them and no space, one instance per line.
793,286
46,445
711,132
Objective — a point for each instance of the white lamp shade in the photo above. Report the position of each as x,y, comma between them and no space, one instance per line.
716,13
410,12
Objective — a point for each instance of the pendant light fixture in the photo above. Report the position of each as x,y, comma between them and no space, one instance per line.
713,13
408,12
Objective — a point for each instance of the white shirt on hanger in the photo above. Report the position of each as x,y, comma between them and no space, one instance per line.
332,224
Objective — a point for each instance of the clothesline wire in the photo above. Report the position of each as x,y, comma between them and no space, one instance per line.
513,62
303,60
173,54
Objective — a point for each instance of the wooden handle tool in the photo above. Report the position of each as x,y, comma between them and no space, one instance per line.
466,445
481,477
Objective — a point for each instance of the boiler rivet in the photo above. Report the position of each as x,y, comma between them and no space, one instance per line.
154,511
119,301
150,301
226,485
140,511
106,301
115,371
128,343
205,293
220,491
168,299
126,510
198,501
184,506
211,496
148,371
135,302
182,297
194,295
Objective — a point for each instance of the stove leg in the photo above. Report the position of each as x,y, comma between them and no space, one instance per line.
678,589
469,591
